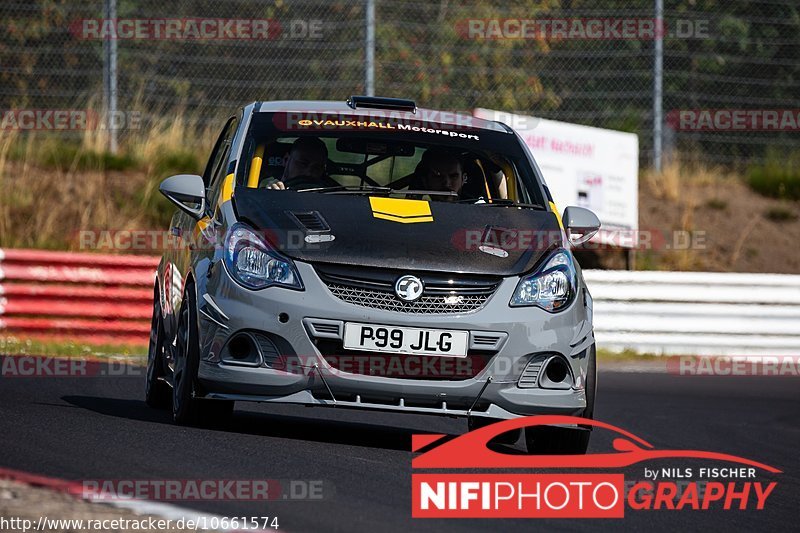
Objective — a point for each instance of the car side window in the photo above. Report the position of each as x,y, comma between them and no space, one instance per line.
220,167
217,154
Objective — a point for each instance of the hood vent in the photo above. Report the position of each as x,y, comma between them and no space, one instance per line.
311,221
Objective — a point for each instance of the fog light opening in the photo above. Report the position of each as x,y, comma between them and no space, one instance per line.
241,349
557,371
556,374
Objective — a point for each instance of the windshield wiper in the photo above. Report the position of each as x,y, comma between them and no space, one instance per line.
348,189
504,202
426,193
369,189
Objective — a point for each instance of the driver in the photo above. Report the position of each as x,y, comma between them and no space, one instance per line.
307,158
442,171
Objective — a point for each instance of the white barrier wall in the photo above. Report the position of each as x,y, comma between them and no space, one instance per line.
696,313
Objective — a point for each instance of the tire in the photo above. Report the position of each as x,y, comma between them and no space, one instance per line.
188,408
551,440
509,437
184,403
157,393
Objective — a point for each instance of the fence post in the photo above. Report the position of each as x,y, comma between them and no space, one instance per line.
369,74
658,71
110,80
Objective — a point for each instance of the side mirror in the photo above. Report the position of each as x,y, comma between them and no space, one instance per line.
188,192
581,224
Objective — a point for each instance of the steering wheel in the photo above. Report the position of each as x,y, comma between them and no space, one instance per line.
309,182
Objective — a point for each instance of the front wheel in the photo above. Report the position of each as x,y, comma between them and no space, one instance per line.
156,391
187,406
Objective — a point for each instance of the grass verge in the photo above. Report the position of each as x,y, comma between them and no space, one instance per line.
605,355
18,346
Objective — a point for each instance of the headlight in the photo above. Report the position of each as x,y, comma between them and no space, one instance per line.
552,287
254,264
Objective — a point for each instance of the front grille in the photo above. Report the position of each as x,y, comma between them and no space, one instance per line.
331,329
485,341
389,302
374,288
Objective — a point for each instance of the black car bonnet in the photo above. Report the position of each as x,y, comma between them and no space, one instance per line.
417,235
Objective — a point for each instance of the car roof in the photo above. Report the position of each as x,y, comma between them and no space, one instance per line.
432,116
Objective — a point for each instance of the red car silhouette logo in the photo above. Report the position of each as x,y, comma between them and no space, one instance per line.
471,451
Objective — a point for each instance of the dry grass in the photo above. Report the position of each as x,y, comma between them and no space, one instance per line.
665,184
677,184
672,182
735,229
54,186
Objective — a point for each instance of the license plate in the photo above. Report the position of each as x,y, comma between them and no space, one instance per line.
414,341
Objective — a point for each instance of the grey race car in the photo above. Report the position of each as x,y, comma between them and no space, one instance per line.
374,255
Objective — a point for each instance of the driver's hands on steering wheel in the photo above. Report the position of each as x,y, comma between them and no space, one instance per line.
302,181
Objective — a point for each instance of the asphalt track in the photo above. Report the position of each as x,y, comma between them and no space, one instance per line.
99,428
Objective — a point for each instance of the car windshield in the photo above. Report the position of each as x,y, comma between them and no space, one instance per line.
435,162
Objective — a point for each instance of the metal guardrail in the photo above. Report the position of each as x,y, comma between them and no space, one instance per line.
91,298
696,313
108,299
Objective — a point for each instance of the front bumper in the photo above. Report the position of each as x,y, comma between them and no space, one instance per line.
284,315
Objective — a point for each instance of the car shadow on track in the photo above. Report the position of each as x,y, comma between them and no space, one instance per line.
310,428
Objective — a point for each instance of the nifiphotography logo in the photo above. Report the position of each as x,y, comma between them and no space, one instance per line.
714,481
